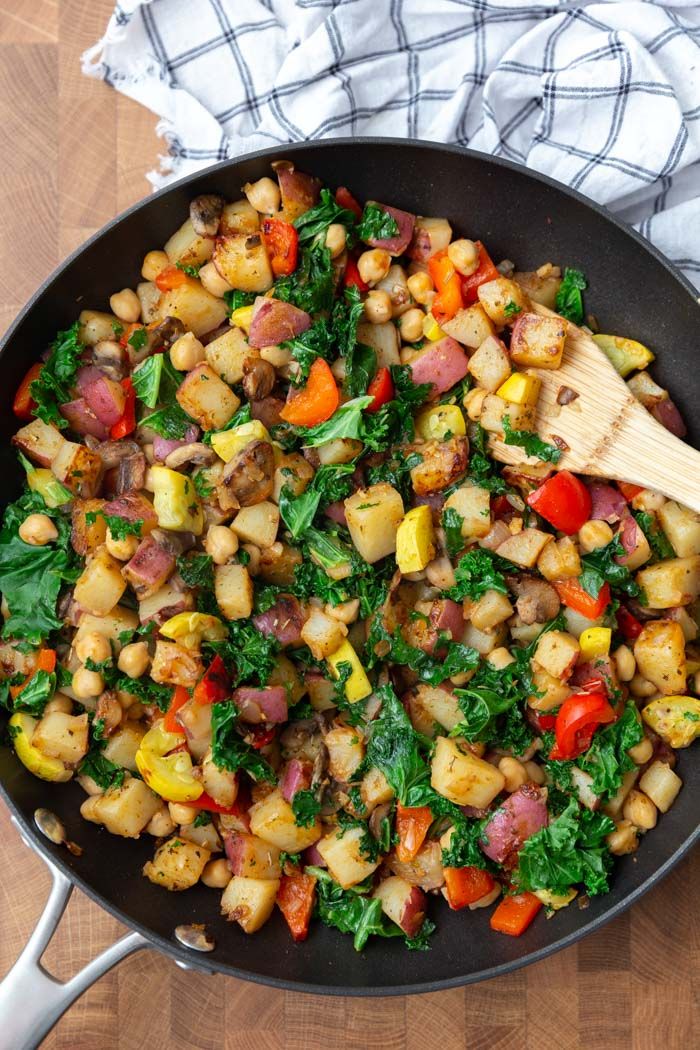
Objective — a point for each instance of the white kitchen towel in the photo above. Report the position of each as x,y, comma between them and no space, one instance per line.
602,96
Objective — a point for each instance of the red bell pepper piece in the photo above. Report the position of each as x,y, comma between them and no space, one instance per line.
628,625
449,286
45,661
629,491
127,424
351,278
578,718
207,802
282,243
515,913
572,594
464,886
170,277
543,721
345,199
563,501
317,401
179,699
295,899
381,389
412,825
485,271
215,685
261,736
24,404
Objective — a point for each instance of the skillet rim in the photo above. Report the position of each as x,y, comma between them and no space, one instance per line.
54,854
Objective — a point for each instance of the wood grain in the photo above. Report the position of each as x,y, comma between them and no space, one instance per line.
78,157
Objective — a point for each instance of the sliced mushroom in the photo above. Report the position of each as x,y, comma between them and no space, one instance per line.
113,452
167,332
248,477
258,378
538,602
111,357
109,711
205,214
131,474
196,452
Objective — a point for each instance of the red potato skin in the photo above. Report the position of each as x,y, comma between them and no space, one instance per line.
296,777
162,447
405,222
629,538
132,506
83,420
274,322
515,820
667,414
443,364
149,569
607,503
413,914
262,705
283,621
241,848
103,395
298,188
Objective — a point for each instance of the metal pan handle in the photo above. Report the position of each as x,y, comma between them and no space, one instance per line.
31,999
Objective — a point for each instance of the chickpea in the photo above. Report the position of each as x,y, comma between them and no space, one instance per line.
221,543
623,839
642,687
38,530
625,663
212,280
59,702
152,265
134,659
338,370
87,684
641,752
187,352
640,810
514,773
136,711
411,325
125,305
464,256
264,195
181,813
346,612
594,534
439,573
216,874
535,772
474,402
421,287
335,239
161,823
374,265
121,549
93,646
378,307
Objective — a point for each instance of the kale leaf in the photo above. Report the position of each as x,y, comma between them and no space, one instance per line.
228,748
531,443
569,852
569,299
600,567
53,385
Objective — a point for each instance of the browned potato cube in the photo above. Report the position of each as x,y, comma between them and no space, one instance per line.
524,548
503,300
241,259
198,309
78,469
87,538
207,398
560,560
233,588
537,341
443,462
494,408
227,354
175,665
470,326
101,584
490,364
40,441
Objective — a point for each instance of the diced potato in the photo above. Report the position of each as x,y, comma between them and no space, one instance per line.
415,540
502,299
484,641
345,752
122,745
538,342
557,652
556,901
101,584
149,299
207,398
521,388
84,538
373,516
249,902
430,235
375,789
462,777
273,820
239,217
62,736
553,692
682,526
640,553
613,807
660,654
198,309
205,836
233,588
661,785
431,704
175,501
111,625
292,472
541,288
164,603
582,784
344,857
227,354
177,864
40,442
470,326
322,633
625,355
285,673
524,548
124,810
675,718
253,857
96,326
577,623
357,687
473,504
490,364
672,582
490,610
403,903
440,422
78,469
257,524
494,408
220,784
383,338
338,450
174,665
187,247
321,692
242,260
560,560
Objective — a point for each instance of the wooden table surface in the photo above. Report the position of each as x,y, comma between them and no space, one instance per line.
75,155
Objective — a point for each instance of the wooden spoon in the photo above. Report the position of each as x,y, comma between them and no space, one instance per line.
607,432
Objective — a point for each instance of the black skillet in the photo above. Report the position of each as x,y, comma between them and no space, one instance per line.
524,217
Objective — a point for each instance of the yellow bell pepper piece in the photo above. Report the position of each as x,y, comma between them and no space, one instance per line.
432,330
52,491
175,501
242,318
595,643
436,423
169,775
415,540
226,443
520,388
357,687
555,901
624,354
21,729
190,628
